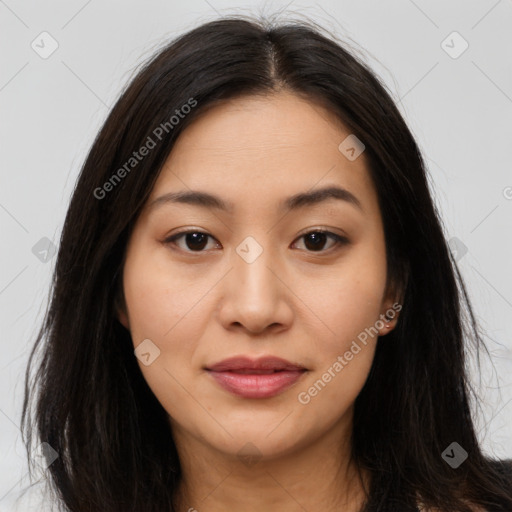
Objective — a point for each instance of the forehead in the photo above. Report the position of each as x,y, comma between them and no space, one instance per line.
277,123
264,147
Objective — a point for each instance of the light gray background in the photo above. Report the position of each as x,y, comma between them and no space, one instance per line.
460,110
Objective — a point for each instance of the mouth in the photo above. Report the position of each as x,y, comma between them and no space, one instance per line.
262,378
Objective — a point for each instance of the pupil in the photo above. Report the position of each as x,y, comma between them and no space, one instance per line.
194,240
318,240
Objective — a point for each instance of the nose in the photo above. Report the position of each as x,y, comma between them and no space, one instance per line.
255,295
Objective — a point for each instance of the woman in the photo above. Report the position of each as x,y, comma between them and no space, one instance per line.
254,306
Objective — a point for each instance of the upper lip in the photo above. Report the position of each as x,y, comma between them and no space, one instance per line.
246,363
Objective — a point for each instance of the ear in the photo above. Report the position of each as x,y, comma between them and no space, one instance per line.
120,308
390,310
122,316
389,317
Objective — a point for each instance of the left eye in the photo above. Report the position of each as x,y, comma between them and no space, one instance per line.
316,239
197,240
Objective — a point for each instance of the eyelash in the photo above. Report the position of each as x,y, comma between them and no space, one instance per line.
340,240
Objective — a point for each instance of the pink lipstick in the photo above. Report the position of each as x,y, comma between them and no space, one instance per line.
261,378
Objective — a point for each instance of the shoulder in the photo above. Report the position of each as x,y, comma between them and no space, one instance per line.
503,468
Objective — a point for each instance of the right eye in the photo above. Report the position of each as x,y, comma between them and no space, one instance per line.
194,240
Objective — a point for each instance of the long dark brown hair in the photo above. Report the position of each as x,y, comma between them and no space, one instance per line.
87,397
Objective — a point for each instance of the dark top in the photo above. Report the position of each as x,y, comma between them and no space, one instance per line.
504,468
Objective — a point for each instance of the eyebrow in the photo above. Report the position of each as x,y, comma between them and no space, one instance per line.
300,200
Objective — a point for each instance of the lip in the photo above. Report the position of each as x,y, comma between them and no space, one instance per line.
260,378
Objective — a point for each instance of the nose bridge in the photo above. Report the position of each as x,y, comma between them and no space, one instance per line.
251,265
253,295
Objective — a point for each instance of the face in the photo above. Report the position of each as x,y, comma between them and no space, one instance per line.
267,276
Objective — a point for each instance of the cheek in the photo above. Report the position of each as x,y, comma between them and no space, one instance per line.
167,306
349,301
160,302
161,308
349,306
332,391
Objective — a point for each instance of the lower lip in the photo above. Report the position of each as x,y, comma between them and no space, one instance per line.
257,385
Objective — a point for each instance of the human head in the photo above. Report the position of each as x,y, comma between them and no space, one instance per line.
309,303
91,380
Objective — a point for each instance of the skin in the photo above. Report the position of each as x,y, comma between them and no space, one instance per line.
294,302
